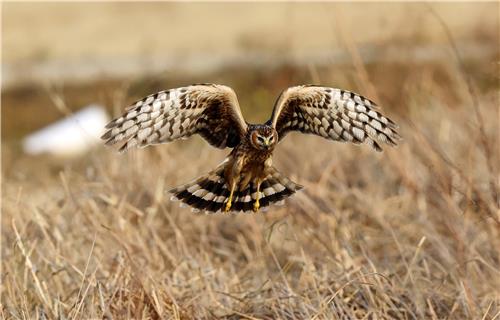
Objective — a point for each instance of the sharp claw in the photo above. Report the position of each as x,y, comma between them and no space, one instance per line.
228,204
228,207
256,206
229,200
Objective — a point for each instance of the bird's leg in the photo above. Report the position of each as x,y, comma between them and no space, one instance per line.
232,175
230,199
256,204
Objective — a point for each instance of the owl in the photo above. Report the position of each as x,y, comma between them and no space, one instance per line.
247,180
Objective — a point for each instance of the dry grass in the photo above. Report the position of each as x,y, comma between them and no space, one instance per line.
412,233
409,233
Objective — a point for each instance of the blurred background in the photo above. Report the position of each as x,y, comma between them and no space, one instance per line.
92,52
411,213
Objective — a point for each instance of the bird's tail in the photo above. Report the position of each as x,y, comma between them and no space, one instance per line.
210,192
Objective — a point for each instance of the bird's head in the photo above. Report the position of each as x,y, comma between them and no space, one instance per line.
263,137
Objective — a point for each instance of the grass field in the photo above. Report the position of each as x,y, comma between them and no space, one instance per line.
410,233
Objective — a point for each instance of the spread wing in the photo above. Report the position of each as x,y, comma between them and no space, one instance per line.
207,109
333,114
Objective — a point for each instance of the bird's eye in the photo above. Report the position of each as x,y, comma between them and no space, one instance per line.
260,139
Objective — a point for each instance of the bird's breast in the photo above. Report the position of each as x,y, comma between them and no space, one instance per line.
257,162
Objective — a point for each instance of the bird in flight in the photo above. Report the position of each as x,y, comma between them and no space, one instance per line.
246,180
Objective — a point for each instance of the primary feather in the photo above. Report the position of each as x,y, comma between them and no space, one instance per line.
332,114
209,110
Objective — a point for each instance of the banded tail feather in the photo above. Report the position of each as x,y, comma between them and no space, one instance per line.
210,192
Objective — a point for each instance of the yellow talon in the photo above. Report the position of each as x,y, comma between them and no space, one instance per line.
229,200
228,205
256,205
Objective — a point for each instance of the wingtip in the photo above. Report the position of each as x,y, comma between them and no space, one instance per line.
110,124
106,135
123,148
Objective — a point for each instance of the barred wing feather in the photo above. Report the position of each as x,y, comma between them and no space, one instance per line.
206,109
333,114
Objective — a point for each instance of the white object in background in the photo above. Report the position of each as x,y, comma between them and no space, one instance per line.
72,135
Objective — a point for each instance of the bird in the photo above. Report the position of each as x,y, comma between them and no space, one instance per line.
246,180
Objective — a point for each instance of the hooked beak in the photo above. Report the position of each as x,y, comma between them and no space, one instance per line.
267,143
